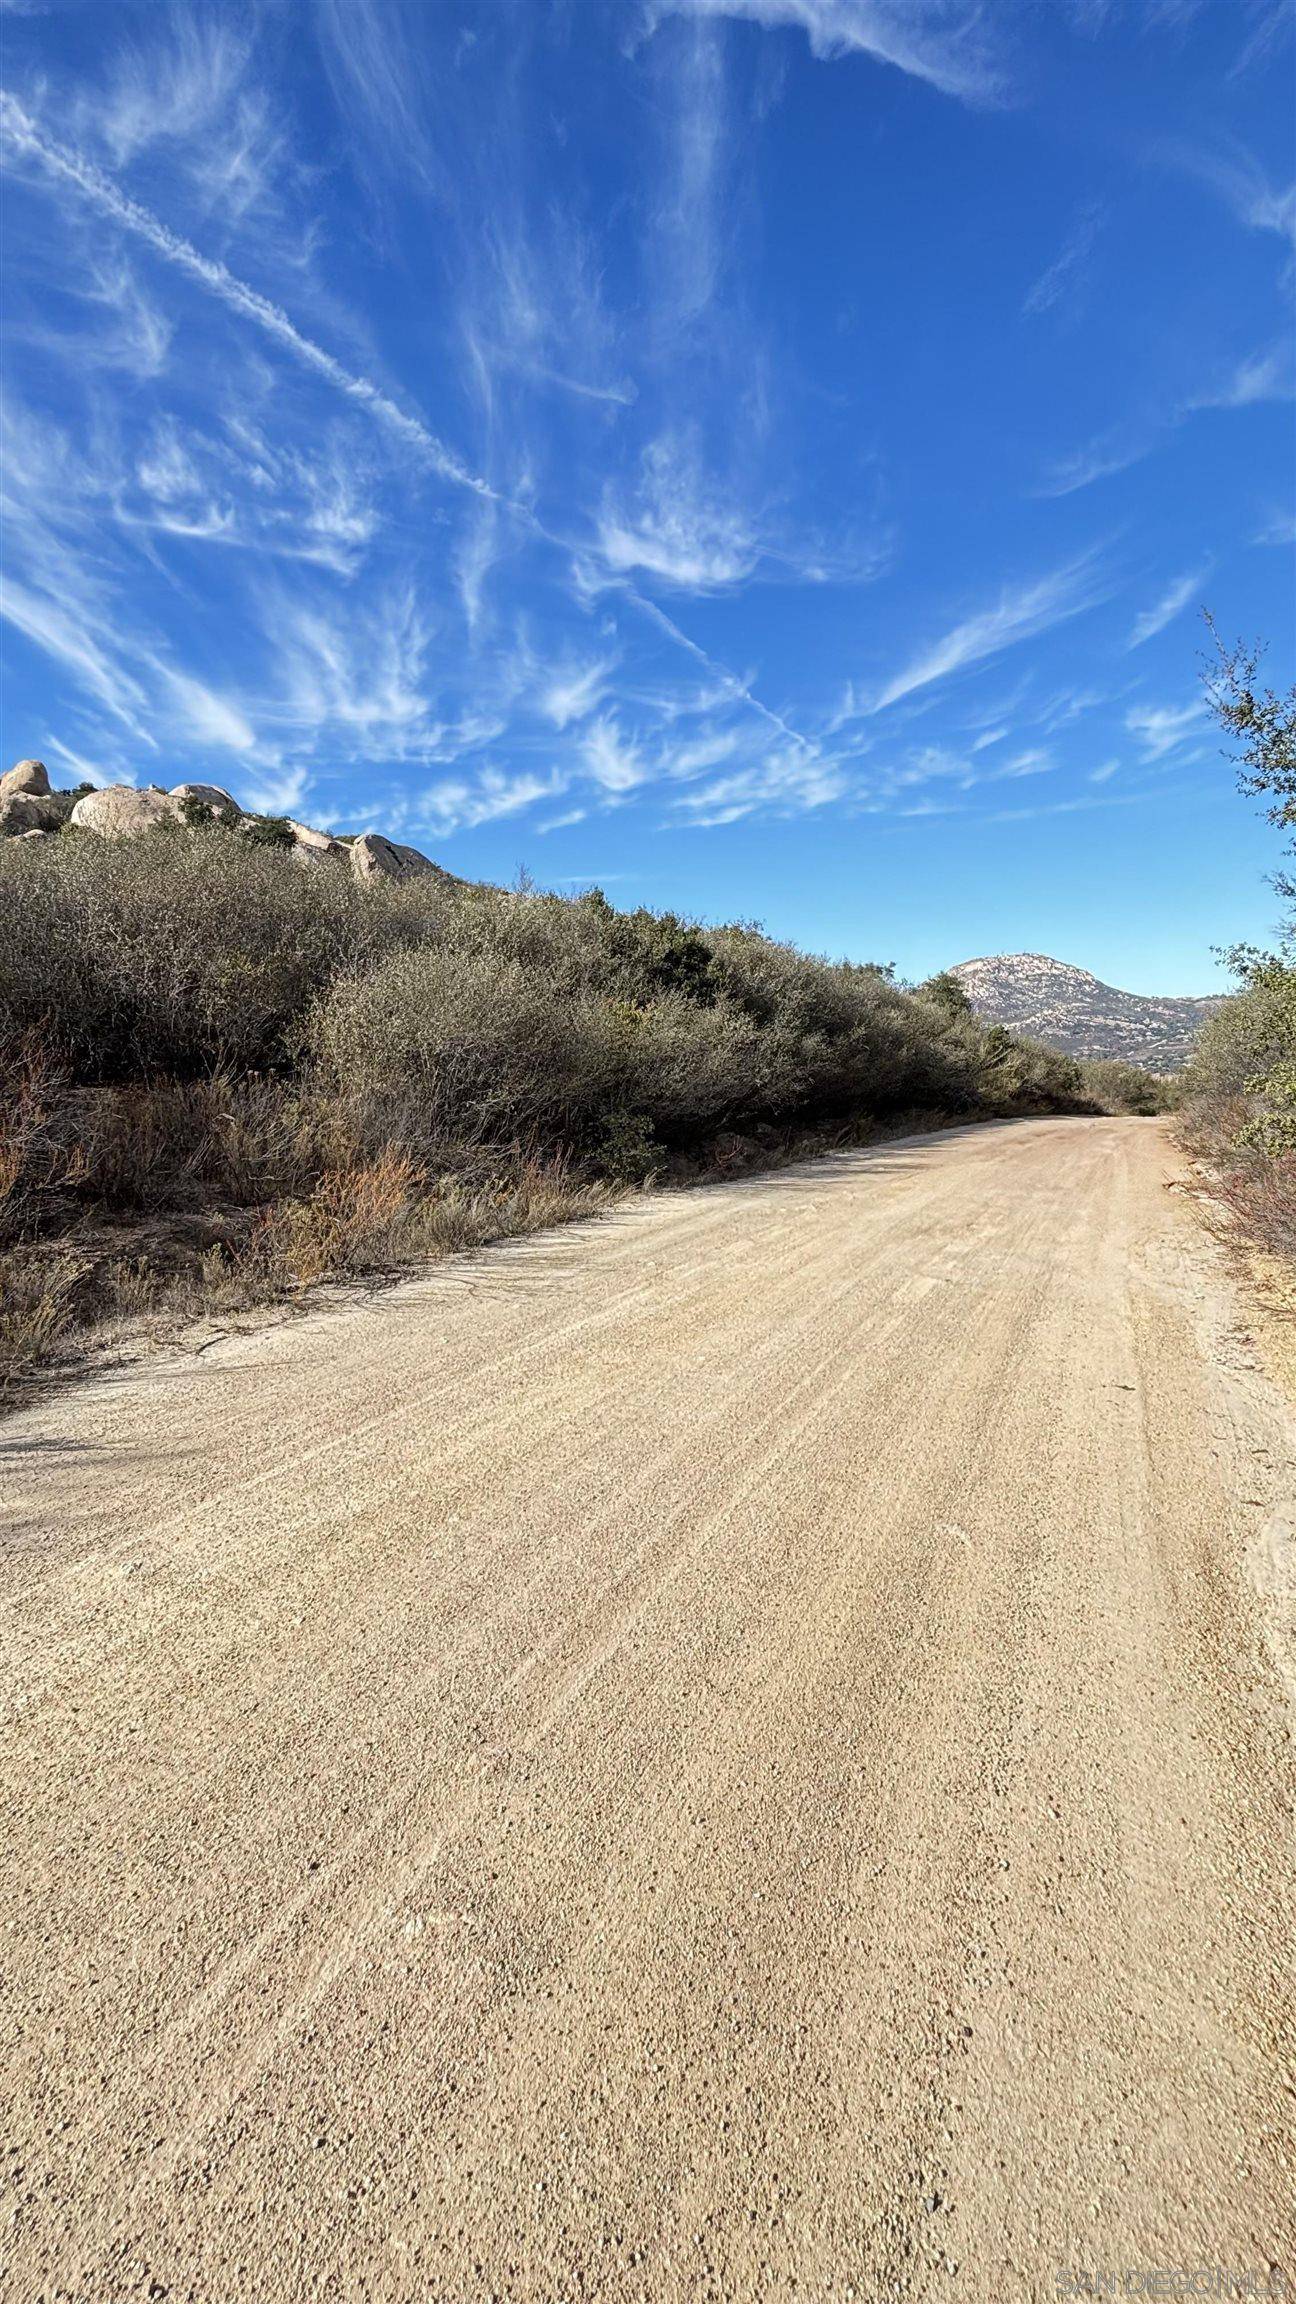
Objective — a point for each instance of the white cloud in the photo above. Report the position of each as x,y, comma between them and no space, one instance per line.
783,783
1105,773
696,759
1059,279
727,684
1112,453
1172,603
64,633
1260,376
1279,528
377,78
1238,179
573,690
690,240
677,526
614,763
212,719
66,166
139,340
939,41
190,86
165,468
459,804
1161,728
353,678
1035,762
1019,614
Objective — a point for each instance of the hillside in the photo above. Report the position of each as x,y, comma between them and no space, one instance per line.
1072,1010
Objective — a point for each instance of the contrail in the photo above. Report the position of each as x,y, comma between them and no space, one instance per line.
22,134
730,680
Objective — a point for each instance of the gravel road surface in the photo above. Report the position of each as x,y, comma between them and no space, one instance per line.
734,1751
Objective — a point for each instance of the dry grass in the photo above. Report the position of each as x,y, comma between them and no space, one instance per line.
1259,1198
1253,1191
37,1297
381,1218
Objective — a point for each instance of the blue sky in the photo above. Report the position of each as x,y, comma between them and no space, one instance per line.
765,456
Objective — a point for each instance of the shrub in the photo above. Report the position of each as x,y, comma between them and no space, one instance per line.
183,952
436,1046
1115,1086
1241,1085
305,1074
36,1307
266,831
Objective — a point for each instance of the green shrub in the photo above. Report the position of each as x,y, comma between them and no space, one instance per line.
433,1015
1241,1084
266,831
1115,1086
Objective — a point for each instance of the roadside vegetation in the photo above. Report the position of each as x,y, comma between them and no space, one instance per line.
224,1077
1239,1093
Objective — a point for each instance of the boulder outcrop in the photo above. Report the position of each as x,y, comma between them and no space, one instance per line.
375,857
312,847
211,796
126,811
27,776
121,812
22,812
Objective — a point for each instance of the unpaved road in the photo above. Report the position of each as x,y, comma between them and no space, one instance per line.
727,1753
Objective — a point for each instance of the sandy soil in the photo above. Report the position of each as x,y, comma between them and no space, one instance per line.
736,1751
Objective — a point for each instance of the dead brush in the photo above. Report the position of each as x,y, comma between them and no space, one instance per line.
164,1143
378,1215
356,1219
37,1306
41,1157
1260,1199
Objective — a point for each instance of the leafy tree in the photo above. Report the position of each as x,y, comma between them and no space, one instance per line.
1250,1046
945,992
1262,727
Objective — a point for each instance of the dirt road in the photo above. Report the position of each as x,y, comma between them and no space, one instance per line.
731,1752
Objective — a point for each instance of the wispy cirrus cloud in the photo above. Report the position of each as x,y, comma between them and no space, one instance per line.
381,80
1171,603
611,759
783,782
190,86
944,42
62,164
465,803
572,691
1098,459
1162,728
1058,283
1237,178
67,632
675,525
1266,375
60,594
1020,613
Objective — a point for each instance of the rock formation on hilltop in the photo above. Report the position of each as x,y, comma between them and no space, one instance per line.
30,809
1069,1009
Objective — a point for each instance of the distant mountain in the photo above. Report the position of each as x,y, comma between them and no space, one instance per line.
1070,1009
